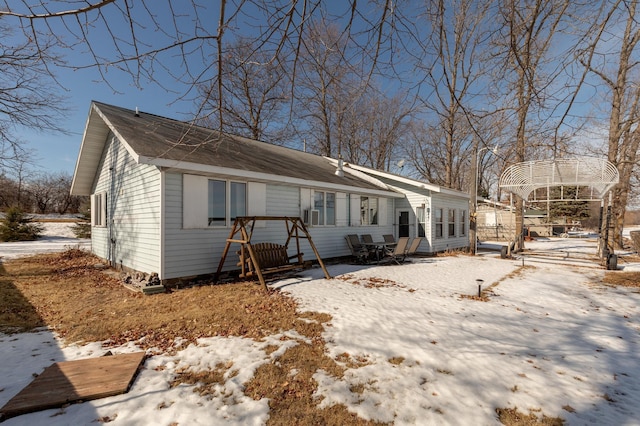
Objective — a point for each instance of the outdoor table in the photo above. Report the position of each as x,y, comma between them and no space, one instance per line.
379,247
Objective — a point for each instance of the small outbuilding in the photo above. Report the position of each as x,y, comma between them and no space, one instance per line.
165,194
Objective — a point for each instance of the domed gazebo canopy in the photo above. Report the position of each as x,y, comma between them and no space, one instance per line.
524,178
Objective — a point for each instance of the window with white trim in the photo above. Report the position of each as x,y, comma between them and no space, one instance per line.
99,209
325,204
421,219
463,223
368,211
452,223
226,200
439,223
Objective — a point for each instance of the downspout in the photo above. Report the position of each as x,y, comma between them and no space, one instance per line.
161,260
111,209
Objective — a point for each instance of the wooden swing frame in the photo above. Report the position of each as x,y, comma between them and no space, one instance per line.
259,259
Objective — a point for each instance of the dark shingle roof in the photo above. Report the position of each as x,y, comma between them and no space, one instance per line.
153,136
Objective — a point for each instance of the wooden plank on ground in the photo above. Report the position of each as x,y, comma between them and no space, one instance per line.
74,381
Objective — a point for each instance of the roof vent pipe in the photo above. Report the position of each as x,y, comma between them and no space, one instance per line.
137,112
340,171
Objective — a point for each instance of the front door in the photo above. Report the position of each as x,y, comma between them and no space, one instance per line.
403,223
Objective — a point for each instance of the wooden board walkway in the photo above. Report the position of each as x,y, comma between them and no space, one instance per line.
74,381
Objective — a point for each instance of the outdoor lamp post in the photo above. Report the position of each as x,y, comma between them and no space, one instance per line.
479,153
479,282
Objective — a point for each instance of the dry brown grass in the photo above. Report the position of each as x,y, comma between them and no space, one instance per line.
625,279
69,295
513,417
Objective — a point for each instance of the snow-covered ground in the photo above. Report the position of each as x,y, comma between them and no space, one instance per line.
56,236
551,338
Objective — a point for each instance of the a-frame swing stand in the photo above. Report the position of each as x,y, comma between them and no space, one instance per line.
259,259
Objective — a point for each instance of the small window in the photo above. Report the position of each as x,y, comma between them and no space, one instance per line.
99,209
368,211
463,223
420,214
452,223
325,204
238,202
217,203
226,200
439,223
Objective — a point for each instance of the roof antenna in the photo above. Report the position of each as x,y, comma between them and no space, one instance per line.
137,112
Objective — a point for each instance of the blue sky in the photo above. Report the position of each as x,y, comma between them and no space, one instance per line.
58,153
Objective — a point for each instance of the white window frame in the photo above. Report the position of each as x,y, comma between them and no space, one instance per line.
421,221
451,223
227,207
463,223
366,215
322,210
439,222
99,209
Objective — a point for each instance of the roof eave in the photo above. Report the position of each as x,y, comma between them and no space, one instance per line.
94,139
87,159
412,182
186,166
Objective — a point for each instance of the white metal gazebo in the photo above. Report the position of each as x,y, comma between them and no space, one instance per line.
598,174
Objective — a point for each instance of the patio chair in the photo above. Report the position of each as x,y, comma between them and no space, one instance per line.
357,250
399,252
388,238
367,238
413,247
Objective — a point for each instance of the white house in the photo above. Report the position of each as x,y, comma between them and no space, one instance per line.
164,194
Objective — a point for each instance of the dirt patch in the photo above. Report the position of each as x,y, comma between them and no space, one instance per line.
513,417
67,293
486,292
624,279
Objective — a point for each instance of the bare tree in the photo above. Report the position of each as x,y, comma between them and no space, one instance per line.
531,64
28,93
62,200
8,191
20,173
180,43
42,190
378,125
255,95
327,88
453,68
613,56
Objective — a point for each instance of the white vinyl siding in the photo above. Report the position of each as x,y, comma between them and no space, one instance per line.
456,205
130,236
197,250
191,252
